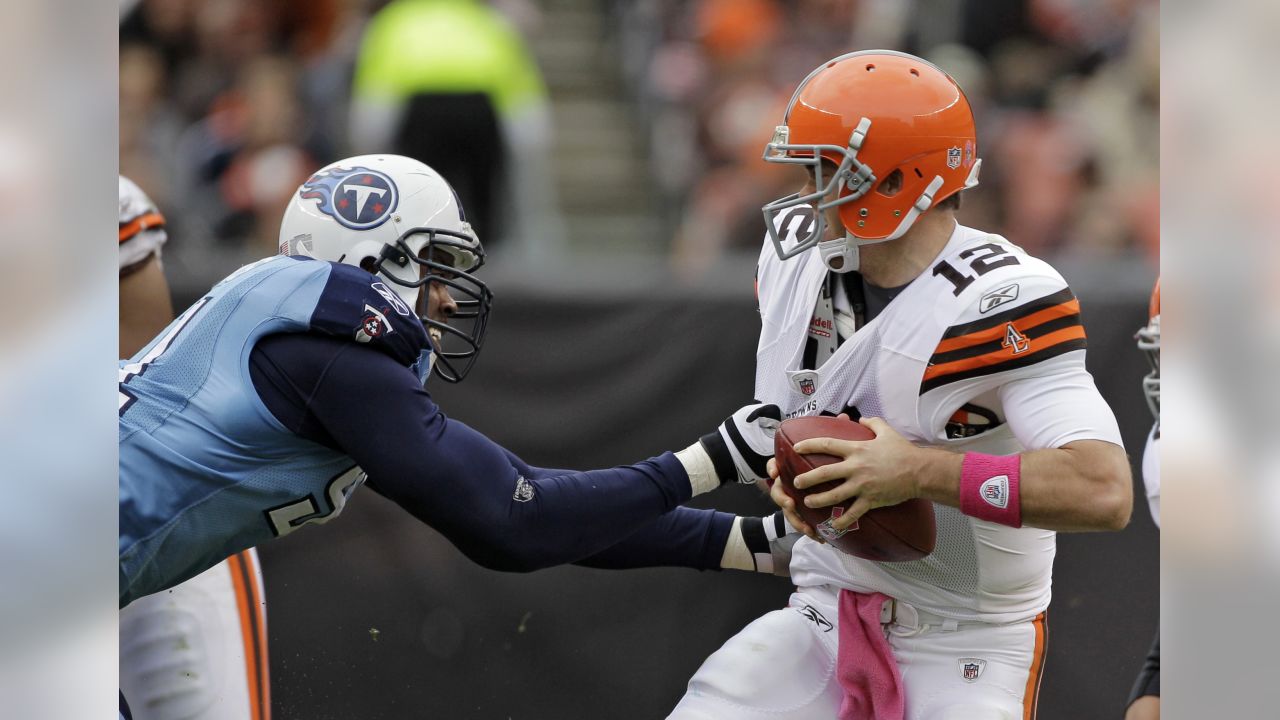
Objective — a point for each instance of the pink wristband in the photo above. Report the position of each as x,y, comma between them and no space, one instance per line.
989,488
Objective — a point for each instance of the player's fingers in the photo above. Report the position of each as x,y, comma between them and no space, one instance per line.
836,495
784,501
798,523
778,495
876,425
772,468
825,446
851,516
822,474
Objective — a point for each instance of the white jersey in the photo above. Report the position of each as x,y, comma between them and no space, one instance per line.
983,351
1151,472
141,225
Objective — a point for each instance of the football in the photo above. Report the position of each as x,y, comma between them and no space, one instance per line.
896,533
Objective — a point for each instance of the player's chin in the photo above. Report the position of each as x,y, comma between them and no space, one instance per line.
436,336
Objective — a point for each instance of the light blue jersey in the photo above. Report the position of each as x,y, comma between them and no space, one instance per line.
205,469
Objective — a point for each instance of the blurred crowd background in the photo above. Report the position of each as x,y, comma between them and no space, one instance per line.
606,128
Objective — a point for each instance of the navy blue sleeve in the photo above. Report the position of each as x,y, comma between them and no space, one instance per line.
684,537
362,402
359,307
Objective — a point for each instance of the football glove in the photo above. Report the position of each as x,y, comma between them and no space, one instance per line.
770,541
743,443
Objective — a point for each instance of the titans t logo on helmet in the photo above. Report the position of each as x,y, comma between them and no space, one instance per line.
359,198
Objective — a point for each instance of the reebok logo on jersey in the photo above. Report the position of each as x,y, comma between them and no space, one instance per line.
392,298
998,297
995,491
971,668
815,617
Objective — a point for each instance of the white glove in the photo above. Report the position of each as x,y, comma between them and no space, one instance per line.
743,443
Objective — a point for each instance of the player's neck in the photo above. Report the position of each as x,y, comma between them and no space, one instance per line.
898,262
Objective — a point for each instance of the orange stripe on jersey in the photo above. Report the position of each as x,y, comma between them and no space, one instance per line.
1031,695
1023,324
146,221
253,578
1015,338
997,357
246,603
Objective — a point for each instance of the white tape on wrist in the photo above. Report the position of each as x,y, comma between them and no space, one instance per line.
736,555
702,472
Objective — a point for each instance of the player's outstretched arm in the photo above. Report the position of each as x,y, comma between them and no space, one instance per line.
704,540
365,404
692,538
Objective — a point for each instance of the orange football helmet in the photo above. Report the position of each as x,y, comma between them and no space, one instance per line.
1148,338
900,133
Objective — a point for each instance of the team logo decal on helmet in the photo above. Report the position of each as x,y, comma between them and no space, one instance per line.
359,198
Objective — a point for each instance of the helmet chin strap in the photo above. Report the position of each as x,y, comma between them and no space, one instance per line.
841,255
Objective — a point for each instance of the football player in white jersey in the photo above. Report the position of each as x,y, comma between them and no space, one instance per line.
965,356
1144,699
198,651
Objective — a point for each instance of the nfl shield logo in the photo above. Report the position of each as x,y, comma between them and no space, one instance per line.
807,387
953,158
971,668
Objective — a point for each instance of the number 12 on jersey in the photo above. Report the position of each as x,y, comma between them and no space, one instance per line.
989,260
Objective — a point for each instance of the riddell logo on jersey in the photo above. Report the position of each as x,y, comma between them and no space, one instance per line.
820,327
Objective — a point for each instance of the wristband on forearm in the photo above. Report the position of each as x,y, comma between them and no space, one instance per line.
989,488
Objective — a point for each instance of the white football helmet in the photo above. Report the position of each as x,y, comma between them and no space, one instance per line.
399,219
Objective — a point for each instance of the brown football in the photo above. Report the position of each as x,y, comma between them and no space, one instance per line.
895,533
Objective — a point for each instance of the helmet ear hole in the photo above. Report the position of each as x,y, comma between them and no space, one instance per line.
891,185
369,264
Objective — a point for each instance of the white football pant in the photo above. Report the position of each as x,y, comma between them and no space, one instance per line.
783,667
198,651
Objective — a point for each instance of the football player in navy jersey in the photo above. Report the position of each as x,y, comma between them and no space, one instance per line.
199,650
266,404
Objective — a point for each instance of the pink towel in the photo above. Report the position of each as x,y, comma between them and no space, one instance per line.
865,666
